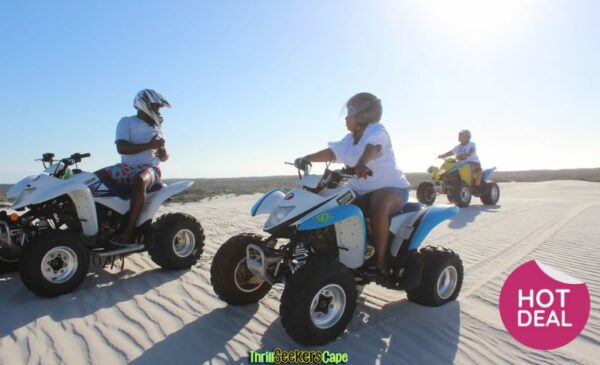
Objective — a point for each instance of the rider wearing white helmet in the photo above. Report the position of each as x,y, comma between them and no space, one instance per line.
368,148
141,144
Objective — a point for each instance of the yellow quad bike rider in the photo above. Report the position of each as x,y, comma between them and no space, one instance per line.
454,179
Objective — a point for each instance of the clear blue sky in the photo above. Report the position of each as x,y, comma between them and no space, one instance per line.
256,83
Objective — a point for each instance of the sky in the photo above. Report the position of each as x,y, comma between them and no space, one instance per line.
257,83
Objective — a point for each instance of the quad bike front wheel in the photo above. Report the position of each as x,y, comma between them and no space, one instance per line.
231,279
426,193
318,302
54,263
460,194
442,277
178,241
490,194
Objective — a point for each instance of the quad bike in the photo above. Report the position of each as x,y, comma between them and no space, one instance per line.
320,247
63,217
454,179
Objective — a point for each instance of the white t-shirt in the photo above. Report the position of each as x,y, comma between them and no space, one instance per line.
136,131
460,149
385,172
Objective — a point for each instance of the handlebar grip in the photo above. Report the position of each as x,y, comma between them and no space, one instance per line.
84,155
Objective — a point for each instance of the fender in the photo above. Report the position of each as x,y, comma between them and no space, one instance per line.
267,202
44,188
17,188
154,201
435,215
487,173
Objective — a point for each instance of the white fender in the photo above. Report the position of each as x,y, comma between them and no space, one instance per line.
154,201
43,188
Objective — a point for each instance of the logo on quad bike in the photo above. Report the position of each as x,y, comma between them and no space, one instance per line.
542,307
323,217
290,196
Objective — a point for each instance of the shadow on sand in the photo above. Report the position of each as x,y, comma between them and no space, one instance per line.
399,333
201,340
100,289
468,214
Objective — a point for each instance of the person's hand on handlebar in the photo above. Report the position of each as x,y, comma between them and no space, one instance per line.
362,171
301,163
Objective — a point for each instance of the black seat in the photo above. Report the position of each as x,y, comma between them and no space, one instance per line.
408,207
122,191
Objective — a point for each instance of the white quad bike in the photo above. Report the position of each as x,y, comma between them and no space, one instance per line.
64,216
326,249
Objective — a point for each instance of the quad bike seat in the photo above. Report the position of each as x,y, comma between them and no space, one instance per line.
122,191
408,207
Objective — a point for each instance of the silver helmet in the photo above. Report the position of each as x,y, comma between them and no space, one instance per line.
145,99
467,134
366,107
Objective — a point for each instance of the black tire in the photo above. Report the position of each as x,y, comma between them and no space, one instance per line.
437,261
9,262
178,241
56,250
300,291
461,194
490,194
426,193
228,268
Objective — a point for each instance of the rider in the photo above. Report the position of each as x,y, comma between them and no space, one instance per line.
368,147
141,144
466,151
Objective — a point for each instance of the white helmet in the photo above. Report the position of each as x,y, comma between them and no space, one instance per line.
143,101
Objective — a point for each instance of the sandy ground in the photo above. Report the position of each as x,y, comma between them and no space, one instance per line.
144,315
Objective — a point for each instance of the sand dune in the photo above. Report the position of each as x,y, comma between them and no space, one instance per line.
144,315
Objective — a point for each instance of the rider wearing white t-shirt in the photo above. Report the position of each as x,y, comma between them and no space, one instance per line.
141,144
465,151
368,148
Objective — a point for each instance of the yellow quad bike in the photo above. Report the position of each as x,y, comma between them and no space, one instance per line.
454,179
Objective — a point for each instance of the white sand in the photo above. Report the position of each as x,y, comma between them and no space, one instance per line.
145,315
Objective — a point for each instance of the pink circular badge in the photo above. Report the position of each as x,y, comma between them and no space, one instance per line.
542,307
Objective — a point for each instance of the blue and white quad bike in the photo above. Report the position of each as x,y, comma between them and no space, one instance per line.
320,246
64,216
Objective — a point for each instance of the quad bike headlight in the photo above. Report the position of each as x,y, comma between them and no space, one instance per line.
278,215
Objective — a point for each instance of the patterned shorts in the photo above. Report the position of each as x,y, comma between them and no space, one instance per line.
123,173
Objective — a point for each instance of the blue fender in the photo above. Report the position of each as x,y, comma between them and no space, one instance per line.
435,215
331,216
487,173
256,205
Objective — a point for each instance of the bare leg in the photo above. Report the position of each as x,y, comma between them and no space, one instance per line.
138,196
383,203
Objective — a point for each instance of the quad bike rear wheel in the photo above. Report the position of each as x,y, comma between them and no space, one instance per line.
54,263
426,193
231,279
178,241
318,302
442,277
490,194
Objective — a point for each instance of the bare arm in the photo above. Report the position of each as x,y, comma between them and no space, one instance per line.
370,153
126,148
447,154
325,155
